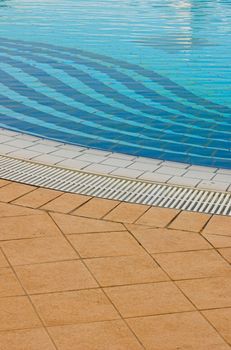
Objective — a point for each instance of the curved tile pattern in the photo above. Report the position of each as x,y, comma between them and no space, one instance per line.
88,99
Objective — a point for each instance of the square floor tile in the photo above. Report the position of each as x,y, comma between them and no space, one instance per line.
29,226
161,240
66,202
187,330
37,198
8,210
218,241
105,244
75,224
9,285
108,335
74,307
56,276
3,261
208,292
14,190
190,221
197,264
4,182
219,225
17,313
125,270
38,250
226,253
126,212
148,299
26,339
127,172
158,217
221,320
96,208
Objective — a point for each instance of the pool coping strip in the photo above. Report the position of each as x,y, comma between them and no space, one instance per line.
24,146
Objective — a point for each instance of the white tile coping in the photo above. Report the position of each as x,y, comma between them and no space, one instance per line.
23,146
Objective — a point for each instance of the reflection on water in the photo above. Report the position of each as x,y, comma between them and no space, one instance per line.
4,3
192,36
172,44
143,77
184,24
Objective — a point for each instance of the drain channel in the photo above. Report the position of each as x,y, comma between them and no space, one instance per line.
133,191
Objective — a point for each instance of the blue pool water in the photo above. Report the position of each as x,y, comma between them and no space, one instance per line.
142,77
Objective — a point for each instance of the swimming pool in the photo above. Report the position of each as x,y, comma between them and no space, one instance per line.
147,78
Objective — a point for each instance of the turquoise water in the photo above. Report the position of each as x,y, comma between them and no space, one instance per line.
149,78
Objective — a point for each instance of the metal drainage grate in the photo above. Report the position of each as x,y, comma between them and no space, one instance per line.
133,191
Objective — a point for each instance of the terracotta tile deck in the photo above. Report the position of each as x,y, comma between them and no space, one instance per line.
82,273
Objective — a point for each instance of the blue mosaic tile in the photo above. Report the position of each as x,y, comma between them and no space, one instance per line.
162,93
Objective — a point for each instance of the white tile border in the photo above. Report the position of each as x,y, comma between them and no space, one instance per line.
23,146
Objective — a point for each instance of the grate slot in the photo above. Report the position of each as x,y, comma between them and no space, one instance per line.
133,191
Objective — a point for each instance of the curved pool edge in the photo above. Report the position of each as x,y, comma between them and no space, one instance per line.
23,146
110,187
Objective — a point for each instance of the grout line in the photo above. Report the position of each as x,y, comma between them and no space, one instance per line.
79,206
140,216
217,235
199,310
194,305
21,195
101,288
30,300
217,249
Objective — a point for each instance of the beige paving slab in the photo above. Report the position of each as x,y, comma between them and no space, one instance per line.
162,240
177,331
226,253
190,221
70,224
218,241
17,313
96,208
120,270
60,256
158,217
37,198
66,202
219,225
105,244
26,339
74,307
108,335
38,250
55,276
14,190
221,320
4,182
208,293
3,261
195,264
126,212
27,227
148,299
9,285
8,210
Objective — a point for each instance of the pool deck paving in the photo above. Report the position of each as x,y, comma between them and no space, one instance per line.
83,273
23,146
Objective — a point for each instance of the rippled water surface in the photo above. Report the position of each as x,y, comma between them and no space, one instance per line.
149,78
